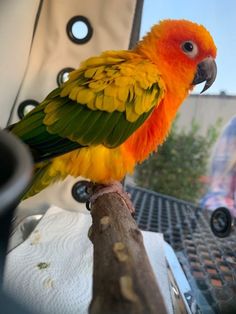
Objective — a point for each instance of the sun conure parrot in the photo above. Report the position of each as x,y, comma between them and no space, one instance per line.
116,108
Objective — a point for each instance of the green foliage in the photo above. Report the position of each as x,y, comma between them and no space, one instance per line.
176,169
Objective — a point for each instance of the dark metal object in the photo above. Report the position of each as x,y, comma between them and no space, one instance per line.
25,107
72,34
135,33
79,191
63,75
209,262
15,173
221,222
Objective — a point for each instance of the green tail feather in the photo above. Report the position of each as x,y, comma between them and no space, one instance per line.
42,180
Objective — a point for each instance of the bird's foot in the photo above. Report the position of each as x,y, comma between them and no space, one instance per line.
114,187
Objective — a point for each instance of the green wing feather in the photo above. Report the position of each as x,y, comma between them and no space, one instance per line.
103,102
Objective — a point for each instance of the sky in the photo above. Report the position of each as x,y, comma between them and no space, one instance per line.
219,17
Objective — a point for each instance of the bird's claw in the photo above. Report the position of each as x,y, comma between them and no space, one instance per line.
115,187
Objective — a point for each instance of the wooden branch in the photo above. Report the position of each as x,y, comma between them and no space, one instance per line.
123,280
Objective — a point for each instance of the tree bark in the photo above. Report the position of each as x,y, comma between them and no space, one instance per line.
123,280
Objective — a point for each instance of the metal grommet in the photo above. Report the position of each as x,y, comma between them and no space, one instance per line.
221,222
79,29
87,204
25,107
79,191
63,75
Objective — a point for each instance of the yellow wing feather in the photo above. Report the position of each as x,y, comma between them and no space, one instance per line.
120,81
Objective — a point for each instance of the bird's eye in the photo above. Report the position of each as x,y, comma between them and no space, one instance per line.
189,48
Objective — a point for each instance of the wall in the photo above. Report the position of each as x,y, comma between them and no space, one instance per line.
206,109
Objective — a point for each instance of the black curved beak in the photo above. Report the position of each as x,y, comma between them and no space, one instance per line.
206,71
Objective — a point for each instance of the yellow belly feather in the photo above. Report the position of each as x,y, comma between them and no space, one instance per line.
97,163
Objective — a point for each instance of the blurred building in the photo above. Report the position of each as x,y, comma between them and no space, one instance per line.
206,110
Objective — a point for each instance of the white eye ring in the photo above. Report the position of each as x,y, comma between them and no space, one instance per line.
189,48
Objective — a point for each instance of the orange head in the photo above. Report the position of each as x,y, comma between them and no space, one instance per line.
183,51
